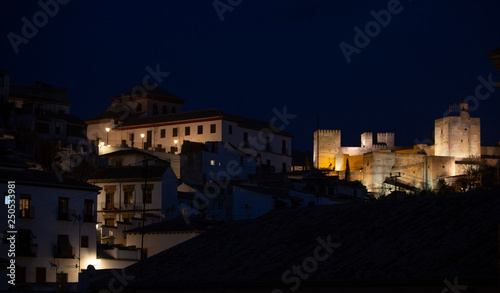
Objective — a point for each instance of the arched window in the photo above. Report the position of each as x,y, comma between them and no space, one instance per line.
173,110
139,107
155,109
164,109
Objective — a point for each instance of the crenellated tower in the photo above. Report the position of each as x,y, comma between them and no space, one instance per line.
327,145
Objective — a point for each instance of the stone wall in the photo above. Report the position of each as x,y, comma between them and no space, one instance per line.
329,145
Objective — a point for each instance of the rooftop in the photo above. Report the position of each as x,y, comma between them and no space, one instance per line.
410,241
40,91
129,172
200,114
169,226
148,89
43,178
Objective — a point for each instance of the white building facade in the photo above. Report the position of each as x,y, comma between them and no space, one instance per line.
55,228
132,121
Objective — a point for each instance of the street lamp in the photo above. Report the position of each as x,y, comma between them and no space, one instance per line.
107,133
142,138
175,143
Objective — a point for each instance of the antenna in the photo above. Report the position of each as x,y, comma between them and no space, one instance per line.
79,219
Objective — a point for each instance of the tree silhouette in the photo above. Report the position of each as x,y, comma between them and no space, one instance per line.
347,171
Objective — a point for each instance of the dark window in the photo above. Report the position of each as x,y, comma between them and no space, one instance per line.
42,128
109,222
200,129
20,274
212,128
245,138
164,109
25,245
230,129
132,137
85,241
148,194
128,197
139,107
41,275
174,132
283,147
63,208
155,109
187,130
64,248
25,206
268,144
58,130
174,110
110,200
88,211
284,167
61,278
149,136
268,162
162,133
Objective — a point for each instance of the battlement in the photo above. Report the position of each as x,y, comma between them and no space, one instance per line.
379,140
327,131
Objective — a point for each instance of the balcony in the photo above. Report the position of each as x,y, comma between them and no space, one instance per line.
27,250
107,206
89,218
27,213
131,207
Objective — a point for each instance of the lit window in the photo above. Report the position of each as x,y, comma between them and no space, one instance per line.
212,162
25,206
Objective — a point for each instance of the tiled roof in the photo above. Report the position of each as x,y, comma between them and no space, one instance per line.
150,89
41,92
201,114
174,225
129,152
129,172
411,241
43,178
70,118
118,115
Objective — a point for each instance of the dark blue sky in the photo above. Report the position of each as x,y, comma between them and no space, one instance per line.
270,53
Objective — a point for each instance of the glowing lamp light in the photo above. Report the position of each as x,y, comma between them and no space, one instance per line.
142,135
108,129
176,141
109,145
102,143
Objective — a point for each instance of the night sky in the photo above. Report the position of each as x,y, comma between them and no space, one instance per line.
267,54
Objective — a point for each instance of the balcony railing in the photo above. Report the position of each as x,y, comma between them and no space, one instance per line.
27,250
89,218
107,206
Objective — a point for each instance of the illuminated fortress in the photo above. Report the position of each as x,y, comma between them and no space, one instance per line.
381,165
